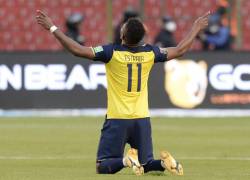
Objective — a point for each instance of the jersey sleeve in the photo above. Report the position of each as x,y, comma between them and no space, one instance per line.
103,53
160,56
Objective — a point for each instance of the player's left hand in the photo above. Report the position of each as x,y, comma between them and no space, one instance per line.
44,20
202,22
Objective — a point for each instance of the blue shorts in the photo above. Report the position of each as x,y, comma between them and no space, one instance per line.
116,133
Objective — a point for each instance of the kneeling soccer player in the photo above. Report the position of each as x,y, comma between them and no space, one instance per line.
127,120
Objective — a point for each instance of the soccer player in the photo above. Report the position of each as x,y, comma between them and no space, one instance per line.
127,120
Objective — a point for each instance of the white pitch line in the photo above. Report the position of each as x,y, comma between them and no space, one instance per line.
217,158
87,157
95,112
43,157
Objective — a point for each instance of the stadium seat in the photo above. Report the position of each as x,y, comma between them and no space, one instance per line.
29,36
245,25
20,16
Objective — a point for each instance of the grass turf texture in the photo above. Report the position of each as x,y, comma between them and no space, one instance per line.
65,148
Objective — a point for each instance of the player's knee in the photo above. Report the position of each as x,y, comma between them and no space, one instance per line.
101,169
105,168
98,164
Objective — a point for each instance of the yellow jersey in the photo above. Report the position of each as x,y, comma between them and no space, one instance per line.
127,71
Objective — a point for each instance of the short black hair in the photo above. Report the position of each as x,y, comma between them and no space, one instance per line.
134,31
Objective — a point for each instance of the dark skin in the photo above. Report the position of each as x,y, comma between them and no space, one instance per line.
83,51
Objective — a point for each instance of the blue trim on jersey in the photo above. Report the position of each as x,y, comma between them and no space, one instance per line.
137,49
159,56
106,54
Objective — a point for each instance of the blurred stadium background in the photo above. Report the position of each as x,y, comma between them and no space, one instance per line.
20,32
37,74
38,78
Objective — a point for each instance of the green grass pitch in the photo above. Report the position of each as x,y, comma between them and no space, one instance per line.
65,148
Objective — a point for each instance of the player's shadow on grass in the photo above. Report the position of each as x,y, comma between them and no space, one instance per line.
146,174
156,174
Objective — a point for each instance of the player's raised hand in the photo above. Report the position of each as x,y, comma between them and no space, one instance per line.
202,22
44,20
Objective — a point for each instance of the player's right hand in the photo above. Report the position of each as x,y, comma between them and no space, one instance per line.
44,20
202,22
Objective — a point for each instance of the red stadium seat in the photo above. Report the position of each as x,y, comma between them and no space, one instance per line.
25,34
119,7
245,25
17,18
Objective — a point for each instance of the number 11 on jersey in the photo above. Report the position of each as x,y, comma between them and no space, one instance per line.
130,72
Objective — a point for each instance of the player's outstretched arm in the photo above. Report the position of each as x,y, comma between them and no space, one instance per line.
200,24
69,44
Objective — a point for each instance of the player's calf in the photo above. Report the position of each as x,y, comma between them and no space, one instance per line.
112,166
